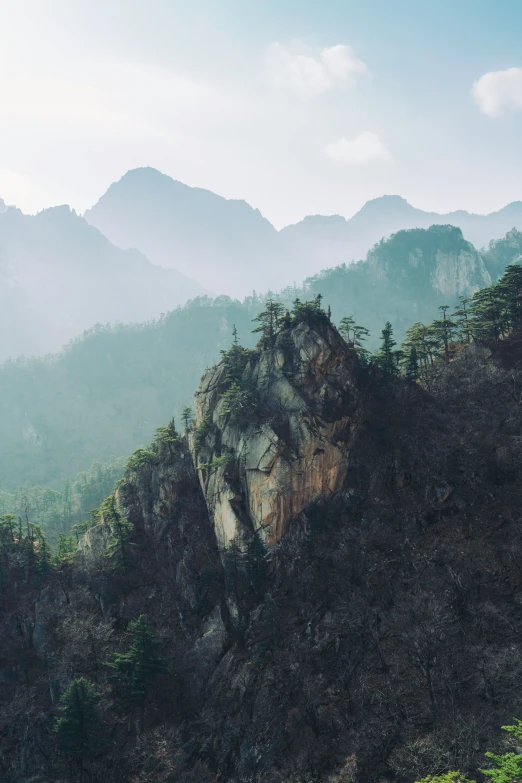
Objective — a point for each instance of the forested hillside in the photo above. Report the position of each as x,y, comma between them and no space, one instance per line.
362,627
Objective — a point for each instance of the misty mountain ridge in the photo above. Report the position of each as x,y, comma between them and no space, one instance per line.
225,243
59,276
229,246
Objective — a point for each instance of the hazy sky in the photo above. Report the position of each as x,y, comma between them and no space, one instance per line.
299,107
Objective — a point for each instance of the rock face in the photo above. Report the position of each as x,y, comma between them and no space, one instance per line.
439,259
258,472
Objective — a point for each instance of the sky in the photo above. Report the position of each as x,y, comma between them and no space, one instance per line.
297,107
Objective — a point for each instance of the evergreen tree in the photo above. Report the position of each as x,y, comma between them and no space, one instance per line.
79,728
269,321
510,289
346,328
310,312
65,547
412,366
386,358
235,337
507,768
443,331
8,523
134,672
463,324
187,417
118,547
43,558
488,316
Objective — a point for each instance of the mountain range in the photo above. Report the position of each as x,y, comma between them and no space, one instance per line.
60,276
230,248
151,243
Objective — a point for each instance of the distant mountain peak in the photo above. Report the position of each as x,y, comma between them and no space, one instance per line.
3,206
387,204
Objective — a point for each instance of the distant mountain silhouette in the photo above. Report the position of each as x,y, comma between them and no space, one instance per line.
226,245
230,248
328,241
60,276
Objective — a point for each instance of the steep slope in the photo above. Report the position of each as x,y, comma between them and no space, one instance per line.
377,638
291,448
59,276
405,279
327,241
226,245
502,252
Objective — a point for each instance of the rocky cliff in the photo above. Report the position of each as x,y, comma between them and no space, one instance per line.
373,637
258,472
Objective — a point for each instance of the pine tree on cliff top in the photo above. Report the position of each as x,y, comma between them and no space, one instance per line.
386,358
269,321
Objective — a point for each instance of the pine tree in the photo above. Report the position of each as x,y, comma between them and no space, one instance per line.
310,312
118,546
412,366
463,323
65,546
269,321
235,337
507,768
79,728
488,316
187,417
347,327
386,358
43,558
510,288
134,672
7,528
443,331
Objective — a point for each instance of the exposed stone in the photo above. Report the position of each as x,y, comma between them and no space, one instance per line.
296,446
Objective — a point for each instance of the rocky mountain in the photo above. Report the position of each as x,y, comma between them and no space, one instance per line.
60,276
502,252
329,241
404,279
226,245
231,248
372,636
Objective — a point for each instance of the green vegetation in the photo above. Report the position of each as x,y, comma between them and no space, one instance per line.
133,672
79,728
504,767
59,513
119,544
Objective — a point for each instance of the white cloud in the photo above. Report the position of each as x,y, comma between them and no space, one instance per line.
365,148
335,67
497,91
